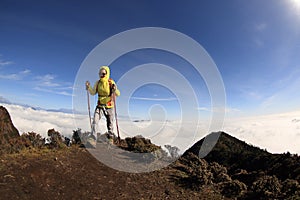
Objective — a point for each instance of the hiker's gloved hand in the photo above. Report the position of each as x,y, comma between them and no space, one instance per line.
87,85
113,88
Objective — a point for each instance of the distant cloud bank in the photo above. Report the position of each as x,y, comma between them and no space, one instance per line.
277,133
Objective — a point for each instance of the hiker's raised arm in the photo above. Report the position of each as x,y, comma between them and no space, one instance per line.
90,89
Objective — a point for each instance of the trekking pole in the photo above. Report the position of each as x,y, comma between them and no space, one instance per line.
116,116
89,108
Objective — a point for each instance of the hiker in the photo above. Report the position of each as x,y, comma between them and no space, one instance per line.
106,89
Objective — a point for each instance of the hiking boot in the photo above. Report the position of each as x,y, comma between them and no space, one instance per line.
91,142
111,137
99,137
111,141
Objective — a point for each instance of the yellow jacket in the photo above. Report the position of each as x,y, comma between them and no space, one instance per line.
103,88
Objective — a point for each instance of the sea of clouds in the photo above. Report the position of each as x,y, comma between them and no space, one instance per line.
277,133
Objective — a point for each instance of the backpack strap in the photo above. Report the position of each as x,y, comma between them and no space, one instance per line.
110,86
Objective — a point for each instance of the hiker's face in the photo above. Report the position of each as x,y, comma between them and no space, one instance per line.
102,73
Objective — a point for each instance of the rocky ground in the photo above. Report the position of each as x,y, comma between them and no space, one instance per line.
73,173
137,169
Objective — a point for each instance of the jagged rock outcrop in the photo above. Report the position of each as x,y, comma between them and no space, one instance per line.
7,129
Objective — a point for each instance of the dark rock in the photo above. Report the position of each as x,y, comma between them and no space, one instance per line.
140,145
7,129
55,138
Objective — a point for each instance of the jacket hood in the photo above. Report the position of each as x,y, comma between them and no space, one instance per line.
107,71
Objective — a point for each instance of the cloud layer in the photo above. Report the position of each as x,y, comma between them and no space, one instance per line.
277,133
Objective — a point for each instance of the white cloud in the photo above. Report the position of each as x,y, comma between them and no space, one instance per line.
219,109
13,76
16,76
154,99
277,133
4,63
232,110
226,110
53,91
47,83
258,42
64,93
254,95
285,97
9,76
260,27
47,80
203,109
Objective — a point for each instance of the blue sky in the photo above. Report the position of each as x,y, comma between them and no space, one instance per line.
255,45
